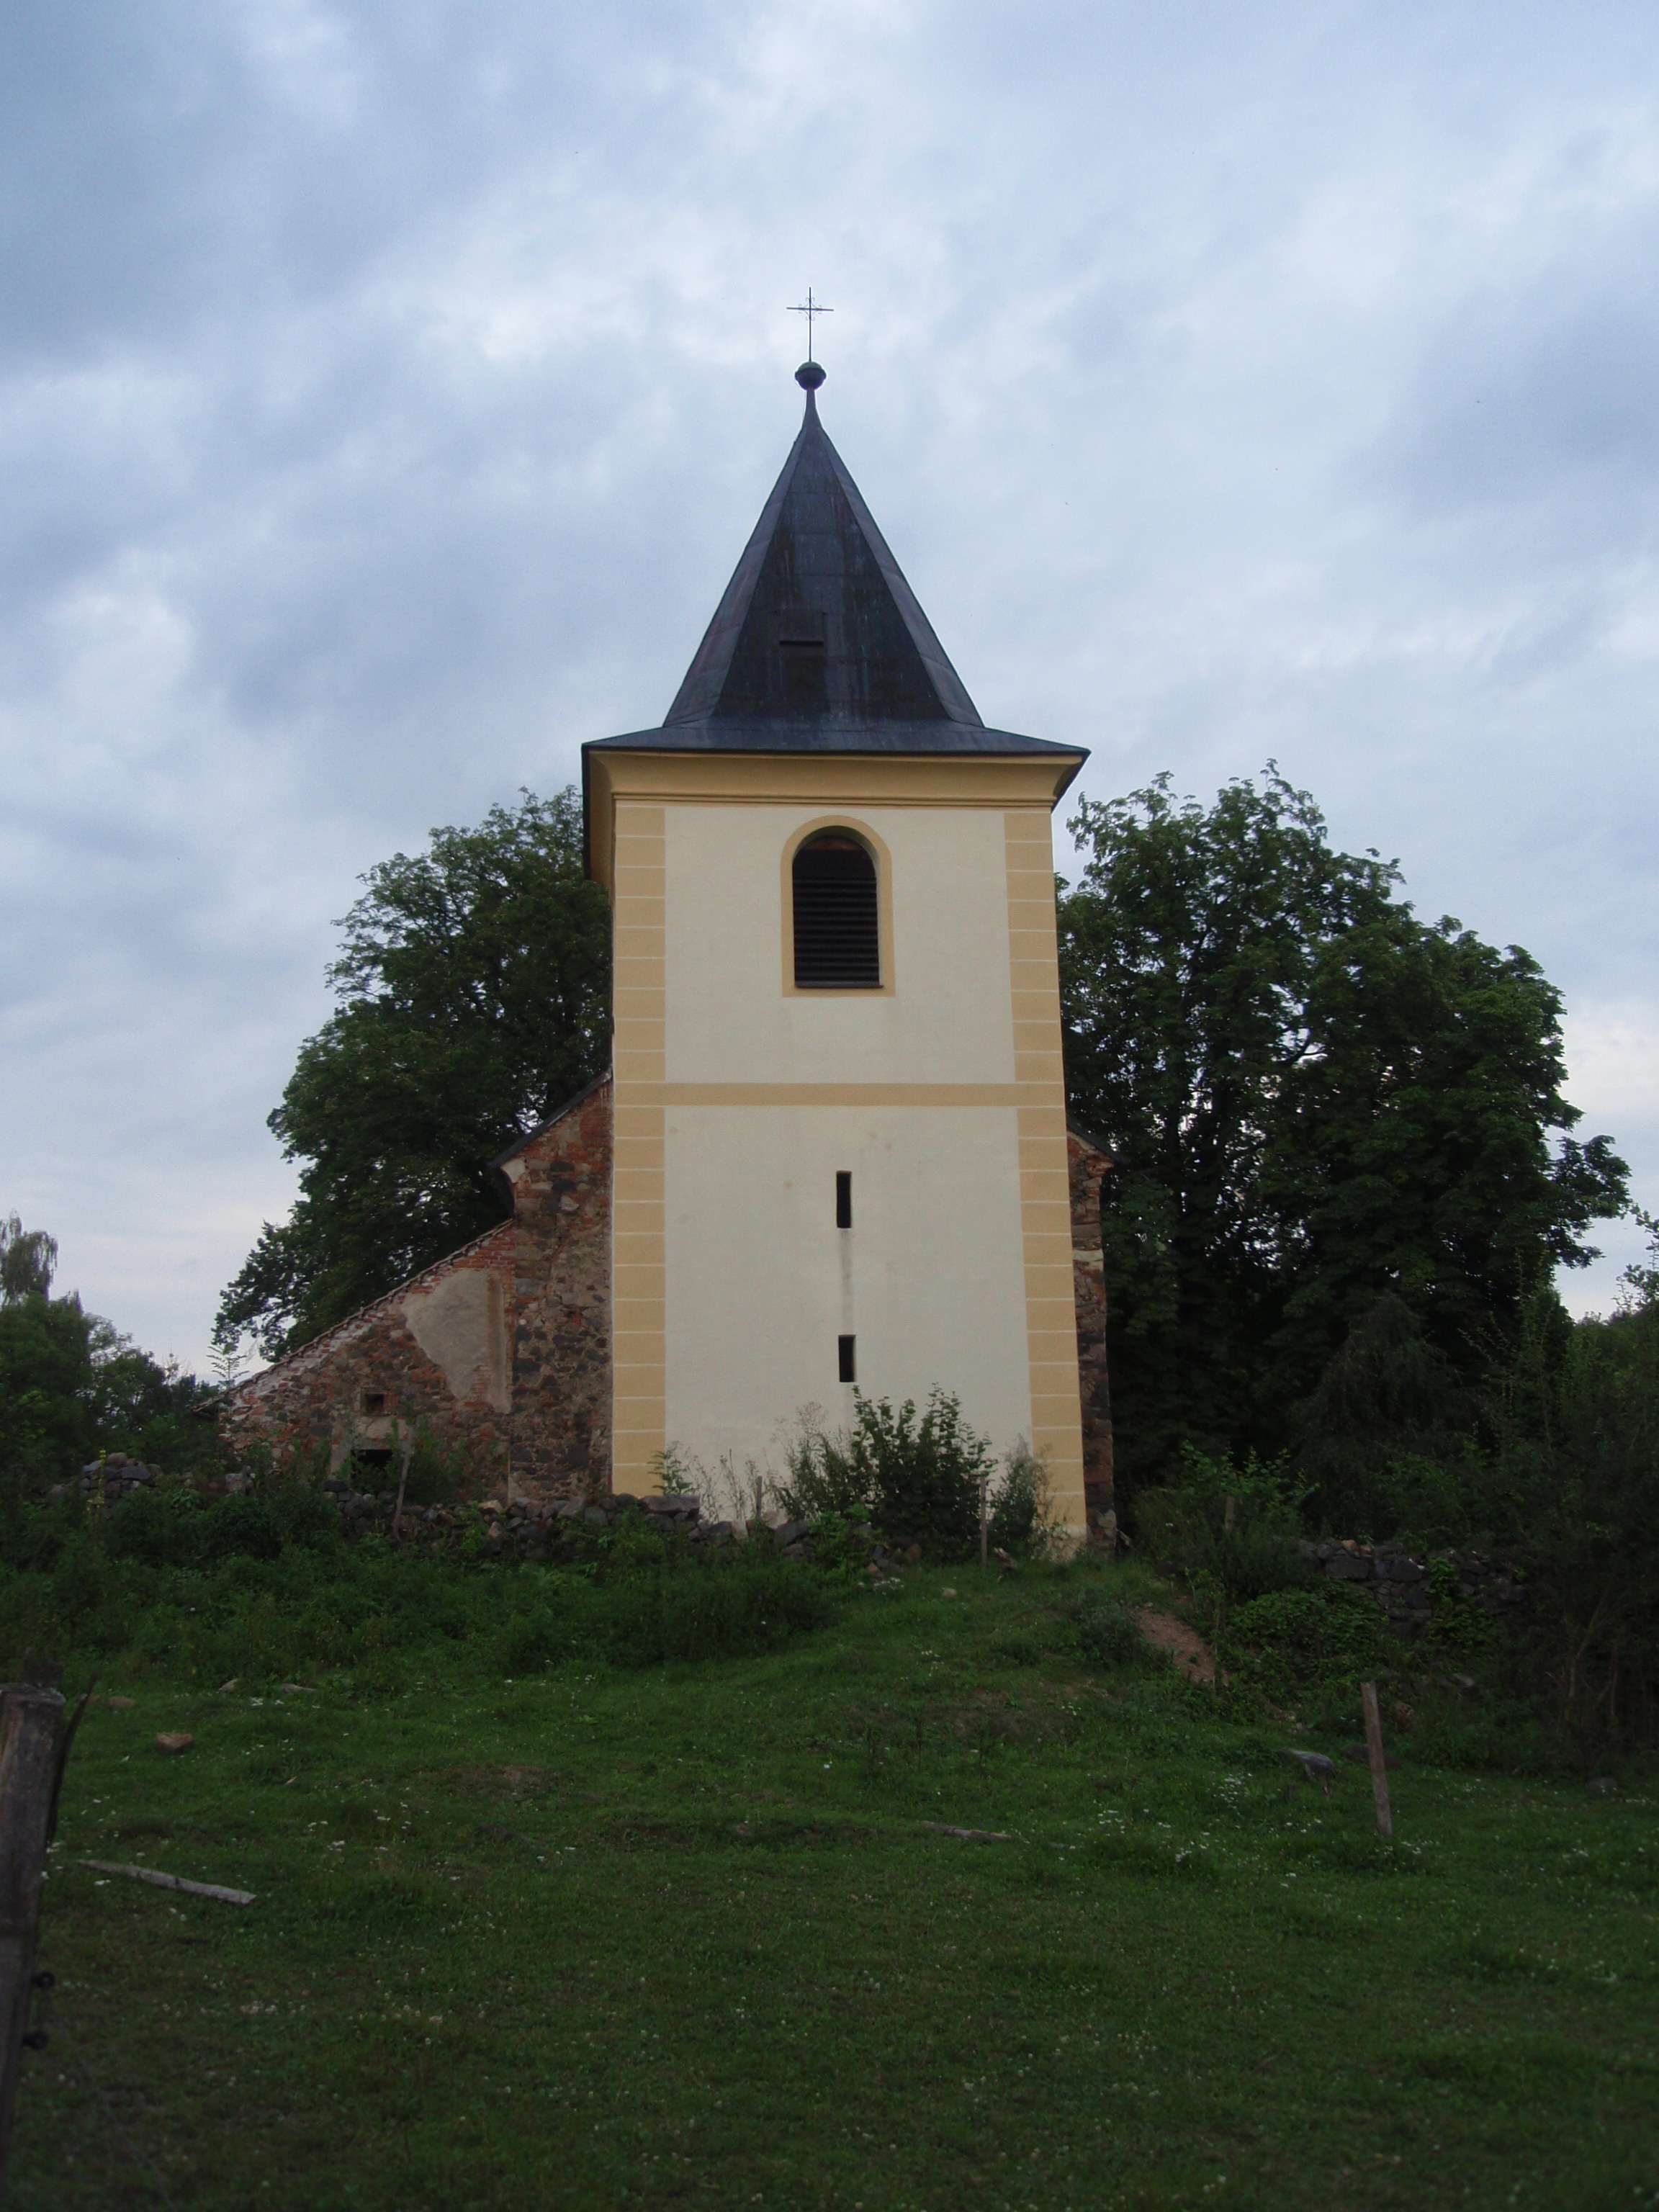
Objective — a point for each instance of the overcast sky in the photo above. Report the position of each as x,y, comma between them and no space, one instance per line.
387,393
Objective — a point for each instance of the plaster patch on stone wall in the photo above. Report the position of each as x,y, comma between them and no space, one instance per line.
460,1321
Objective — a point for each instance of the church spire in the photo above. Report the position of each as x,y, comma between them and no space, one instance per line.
817,624
819,643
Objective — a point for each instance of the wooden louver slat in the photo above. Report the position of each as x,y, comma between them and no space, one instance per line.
837,936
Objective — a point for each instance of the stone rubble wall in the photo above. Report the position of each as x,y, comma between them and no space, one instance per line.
528,1528
1089,1166
316,1394
1399,1579
562,1304
110,1480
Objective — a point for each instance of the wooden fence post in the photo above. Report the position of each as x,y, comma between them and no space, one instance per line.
33,1740
1379,1763
403,1481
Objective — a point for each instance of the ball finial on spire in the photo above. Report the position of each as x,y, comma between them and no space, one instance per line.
809,375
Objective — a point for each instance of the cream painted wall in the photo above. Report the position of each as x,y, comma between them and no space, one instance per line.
931,1278
949,1018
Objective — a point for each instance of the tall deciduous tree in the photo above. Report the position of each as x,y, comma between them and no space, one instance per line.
473,982
29,1261
71,1386
1316,1099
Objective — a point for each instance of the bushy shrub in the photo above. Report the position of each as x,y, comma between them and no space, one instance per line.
1019,1522
917,1477
1574,1411
841,1544
1238,1524
1107,1631
1428,1503
828,1474
1383,1438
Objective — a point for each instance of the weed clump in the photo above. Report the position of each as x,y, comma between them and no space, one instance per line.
1322,1641
1107,1631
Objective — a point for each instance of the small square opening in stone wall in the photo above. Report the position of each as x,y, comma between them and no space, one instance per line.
374,1401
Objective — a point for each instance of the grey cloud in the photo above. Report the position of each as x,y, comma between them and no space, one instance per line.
1546,396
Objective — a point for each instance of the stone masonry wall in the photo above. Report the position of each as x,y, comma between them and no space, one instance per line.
1089,1166
1403,1582
433,1349
561,1181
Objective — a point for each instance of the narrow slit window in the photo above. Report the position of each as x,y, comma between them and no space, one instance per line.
843,1199
837,934
845,1347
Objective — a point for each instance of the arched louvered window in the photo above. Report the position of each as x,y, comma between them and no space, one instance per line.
837,934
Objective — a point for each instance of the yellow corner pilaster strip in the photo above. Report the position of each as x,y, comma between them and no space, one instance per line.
637,1261
1044,1175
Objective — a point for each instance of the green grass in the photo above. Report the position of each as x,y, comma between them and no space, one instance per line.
683,1937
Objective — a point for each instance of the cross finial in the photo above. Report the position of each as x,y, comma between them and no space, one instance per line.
810,308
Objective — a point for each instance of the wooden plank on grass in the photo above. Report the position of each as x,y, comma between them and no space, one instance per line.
173,1881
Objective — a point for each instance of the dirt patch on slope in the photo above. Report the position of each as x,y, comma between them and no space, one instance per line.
1191,1654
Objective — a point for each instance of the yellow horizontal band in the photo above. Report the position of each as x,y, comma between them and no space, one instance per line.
844,1093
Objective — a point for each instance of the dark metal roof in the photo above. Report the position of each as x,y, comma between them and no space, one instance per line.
820,645
801,734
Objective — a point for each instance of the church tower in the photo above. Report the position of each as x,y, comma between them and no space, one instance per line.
839,1119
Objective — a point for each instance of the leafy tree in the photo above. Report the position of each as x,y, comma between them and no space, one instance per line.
29,1261
1573,1411
72,1386
473,982
1316,1100
46,1426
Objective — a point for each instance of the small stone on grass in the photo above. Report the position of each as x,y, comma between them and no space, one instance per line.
178,1742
